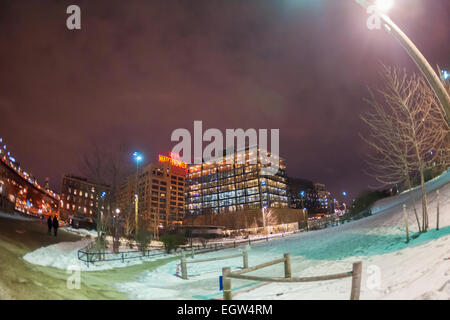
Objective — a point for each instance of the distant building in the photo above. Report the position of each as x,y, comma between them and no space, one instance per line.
227,185
20,191
81,198
161,187
323,199
302,194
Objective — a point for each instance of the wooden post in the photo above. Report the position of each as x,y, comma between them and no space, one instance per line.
405,214
226,284
287,265
437,210
245,258
235,243
356,280
183,269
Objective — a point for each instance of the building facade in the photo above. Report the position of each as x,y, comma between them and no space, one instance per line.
314,197
20,191
161,187
83,199
302,194
323,199
234,182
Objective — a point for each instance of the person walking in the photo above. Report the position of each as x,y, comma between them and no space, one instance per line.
55,225
49,224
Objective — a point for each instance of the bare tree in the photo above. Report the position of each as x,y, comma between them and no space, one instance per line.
129,220
106,167
269,218
443,161
406,132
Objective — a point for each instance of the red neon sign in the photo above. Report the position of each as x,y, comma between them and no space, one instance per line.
172,160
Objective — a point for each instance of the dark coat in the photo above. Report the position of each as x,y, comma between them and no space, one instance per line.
55,223
49,222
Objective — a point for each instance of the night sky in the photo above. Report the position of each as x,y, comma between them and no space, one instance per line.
137,70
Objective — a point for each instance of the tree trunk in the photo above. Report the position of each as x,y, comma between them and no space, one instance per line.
424,199
437,210
413,198
406,223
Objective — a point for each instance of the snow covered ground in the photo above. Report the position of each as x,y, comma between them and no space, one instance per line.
392,269
64,255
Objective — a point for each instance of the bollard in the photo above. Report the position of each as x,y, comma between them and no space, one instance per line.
245,258
226,284
183,269
287,265
356,280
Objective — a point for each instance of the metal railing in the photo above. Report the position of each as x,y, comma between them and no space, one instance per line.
88,256
227,275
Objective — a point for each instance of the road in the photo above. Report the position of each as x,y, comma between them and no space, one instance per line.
22,280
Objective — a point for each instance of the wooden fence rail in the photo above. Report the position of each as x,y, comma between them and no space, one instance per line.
184,262
227,275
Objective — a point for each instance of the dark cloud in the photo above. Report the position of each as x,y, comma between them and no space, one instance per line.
139,69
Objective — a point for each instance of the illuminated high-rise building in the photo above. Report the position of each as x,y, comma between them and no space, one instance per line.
235,182
161,199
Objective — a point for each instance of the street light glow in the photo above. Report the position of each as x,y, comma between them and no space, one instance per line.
137,156
445,74
384,5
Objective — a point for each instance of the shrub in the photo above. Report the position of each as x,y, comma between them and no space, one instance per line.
361,206
173,241
143,239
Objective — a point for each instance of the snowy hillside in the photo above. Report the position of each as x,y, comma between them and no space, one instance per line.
392,269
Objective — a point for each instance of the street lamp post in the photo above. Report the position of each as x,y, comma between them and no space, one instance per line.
422,63
138,157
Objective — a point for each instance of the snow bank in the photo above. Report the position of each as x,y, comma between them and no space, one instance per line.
65,254
392,269
81,232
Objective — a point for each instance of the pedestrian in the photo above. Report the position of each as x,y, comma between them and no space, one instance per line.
49,224
55,225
